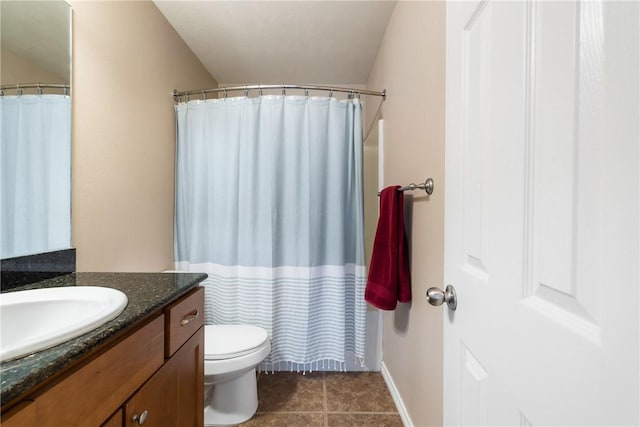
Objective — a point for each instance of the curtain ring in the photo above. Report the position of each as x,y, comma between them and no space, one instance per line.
187,95
284,91
204,95
306,93
331,93
246,91
39,89
260,91
225,93
18,90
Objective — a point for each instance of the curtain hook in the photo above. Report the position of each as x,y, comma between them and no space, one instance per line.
18,89
187,96
246,91
284,91
39,89
65,90
260,91
331,93
204,95
306,92
225,93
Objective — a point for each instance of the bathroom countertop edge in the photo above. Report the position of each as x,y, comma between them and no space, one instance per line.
147,293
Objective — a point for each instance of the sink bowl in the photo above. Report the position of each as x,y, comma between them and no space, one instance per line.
37,319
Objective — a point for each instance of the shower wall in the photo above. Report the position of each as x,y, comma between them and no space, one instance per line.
371,187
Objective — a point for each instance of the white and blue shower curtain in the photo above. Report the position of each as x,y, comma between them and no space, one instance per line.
35,159
269,203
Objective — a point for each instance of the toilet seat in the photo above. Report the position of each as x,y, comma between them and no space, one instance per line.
224,342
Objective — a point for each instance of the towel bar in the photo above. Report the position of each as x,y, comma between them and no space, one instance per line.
427,186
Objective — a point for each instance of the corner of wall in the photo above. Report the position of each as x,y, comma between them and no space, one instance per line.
411,66
126,61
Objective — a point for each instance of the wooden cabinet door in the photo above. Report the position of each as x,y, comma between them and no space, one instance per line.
154,405
189,363
115,420
23,415
174,396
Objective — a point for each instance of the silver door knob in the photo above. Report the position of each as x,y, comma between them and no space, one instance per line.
436,296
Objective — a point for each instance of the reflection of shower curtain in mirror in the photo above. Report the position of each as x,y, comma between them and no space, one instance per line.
36,165
269,203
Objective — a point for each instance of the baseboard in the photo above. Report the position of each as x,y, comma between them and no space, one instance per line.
402,410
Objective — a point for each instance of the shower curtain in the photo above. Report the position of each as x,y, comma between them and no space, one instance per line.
269,203
35,156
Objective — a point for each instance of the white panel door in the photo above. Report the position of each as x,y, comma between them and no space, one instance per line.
542,213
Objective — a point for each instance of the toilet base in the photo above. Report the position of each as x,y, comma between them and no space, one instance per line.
231,402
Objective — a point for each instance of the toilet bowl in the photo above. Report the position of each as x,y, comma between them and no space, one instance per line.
231,354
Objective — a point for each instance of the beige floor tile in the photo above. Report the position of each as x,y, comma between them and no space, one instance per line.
290,391
364,420
358,392
280,419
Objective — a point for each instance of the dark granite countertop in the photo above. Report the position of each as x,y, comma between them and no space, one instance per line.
148,293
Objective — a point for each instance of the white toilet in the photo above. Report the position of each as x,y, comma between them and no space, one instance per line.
231,354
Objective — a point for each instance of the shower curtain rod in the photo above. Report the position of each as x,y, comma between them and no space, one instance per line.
39,86
179,94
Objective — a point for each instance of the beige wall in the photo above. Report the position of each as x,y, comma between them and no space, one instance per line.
411,66
18,69
126,61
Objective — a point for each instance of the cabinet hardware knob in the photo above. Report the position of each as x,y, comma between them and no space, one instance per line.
190,317
141,419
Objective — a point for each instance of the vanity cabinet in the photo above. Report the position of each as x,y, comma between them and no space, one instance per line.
155,404
115,420
24,415
174,396
158,368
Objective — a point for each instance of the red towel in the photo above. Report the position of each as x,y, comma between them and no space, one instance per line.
389,278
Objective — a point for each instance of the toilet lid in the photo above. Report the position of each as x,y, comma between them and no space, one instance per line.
228,341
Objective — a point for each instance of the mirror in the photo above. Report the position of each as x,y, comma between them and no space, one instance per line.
35,76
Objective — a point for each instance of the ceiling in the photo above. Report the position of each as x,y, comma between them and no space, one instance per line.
272,42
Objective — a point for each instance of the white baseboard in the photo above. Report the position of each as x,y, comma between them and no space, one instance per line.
402,410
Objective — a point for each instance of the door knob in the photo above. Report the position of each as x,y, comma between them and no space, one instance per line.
437,296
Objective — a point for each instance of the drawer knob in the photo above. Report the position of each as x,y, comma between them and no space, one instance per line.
190,317
141,419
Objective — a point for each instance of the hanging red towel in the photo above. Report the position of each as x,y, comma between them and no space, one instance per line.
389,278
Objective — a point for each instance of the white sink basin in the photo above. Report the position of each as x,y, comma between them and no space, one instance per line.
37,319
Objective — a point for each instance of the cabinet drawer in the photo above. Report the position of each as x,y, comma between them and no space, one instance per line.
89,395
183,318
24,415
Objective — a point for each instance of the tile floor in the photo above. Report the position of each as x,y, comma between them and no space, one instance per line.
324,399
